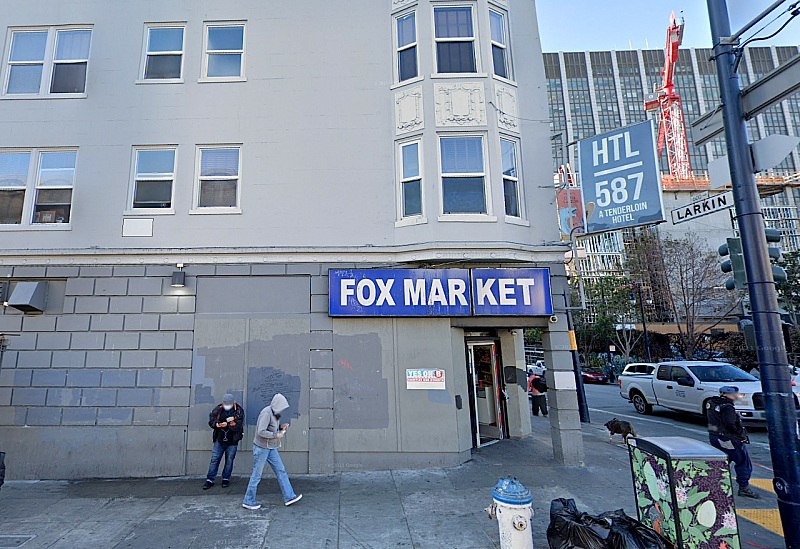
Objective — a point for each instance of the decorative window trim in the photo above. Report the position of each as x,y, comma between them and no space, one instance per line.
243,52
131,210
420,218
48,63
145,44
201,210
488,216
32,189
475,41
397,49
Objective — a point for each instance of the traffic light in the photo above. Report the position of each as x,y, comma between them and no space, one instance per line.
735,264
774,237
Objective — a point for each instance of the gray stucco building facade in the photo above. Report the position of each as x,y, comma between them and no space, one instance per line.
255,147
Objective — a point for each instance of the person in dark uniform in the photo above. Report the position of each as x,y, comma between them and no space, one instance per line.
726,432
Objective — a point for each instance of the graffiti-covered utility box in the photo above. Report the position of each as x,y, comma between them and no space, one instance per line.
683,491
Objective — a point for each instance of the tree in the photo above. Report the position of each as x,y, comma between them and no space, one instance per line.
789,291
696,296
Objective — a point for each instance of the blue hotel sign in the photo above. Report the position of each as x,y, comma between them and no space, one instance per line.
440,292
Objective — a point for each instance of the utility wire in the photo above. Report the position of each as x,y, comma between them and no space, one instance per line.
501,111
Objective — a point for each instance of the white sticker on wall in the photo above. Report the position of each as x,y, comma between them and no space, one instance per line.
425,379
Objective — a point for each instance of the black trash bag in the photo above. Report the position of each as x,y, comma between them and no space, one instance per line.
571,529
629,533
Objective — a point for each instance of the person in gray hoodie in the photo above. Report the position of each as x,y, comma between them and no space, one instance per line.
269,432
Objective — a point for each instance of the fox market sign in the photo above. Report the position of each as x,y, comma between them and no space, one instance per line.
707,206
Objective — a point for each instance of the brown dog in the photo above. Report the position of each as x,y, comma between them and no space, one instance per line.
623,428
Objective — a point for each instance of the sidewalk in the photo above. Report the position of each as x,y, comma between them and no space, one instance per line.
434,508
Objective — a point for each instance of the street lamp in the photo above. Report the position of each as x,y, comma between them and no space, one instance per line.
644,318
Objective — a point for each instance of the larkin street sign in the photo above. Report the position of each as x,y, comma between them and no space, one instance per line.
712,204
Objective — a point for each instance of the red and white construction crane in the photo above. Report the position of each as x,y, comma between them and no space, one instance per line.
672,129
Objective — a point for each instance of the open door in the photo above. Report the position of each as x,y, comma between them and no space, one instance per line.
487,393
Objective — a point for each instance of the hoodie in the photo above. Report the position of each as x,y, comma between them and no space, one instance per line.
723,421
268,425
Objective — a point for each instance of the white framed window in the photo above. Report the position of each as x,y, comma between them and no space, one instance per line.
407,59
153,179
511,191
454,37
217,187
223,51
501,52
55,180
14,178
464,185
162,58
410,172
46,62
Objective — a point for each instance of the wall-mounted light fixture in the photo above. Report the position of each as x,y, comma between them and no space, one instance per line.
179,277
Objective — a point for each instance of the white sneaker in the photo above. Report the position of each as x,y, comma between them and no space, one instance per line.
294,500
255,507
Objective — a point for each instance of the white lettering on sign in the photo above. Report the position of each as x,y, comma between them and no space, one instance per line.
384,287
485,291
425,379
457,288
437,293
600,149
369,298
414,291
347,290
526,284
506,287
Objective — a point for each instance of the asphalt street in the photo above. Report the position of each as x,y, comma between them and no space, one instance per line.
606,403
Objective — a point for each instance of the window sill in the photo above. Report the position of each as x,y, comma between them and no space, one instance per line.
467,218
221,80
215,211
37,227
149,212
411,221
407,82
168,81
449,75
23,96
517,221
504,80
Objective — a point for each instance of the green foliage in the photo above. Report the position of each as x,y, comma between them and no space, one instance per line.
533,336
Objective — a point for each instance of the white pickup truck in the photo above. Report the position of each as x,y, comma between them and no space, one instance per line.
687,385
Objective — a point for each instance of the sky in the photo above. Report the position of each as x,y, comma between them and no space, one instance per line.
598,25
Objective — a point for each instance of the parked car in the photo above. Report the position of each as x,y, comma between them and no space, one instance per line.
593,377
687,385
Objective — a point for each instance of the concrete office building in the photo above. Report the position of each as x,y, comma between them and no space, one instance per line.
596,92
263,146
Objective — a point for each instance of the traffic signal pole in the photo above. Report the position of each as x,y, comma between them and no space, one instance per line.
772,358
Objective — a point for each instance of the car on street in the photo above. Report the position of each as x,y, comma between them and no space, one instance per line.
686,386
593,377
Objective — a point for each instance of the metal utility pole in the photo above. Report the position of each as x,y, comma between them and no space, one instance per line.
775,380
583,407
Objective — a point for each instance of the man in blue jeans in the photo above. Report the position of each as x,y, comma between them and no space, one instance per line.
227,420
726,433
269,432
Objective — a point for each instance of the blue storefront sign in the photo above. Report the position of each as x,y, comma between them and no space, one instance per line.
621,179
439,292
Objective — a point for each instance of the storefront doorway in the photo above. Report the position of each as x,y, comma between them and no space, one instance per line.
487,393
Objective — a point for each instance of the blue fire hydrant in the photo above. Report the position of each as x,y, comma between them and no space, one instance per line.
512,509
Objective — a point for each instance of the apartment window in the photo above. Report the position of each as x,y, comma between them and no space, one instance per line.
224,51
218,181
49,61
14,167
411,179
500,50
154,174
463,175
164,53
54,183
508,150
407,47
455,40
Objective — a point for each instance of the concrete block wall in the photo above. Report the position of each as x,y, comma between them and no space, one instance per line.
119,353
320,432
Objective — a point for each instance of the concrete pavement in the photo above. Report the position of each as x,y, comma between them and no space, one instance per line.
427,509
